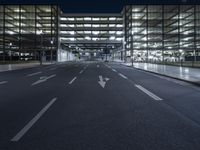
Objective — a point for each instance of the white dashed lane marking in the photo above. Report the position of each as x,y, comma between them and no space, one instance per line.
123,76
23,131
33,74
3,82
148,92
72,80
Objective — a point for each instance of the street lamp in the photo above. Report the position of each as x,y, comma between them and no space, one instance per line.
124,51
41,44
51,50
113,51
10,44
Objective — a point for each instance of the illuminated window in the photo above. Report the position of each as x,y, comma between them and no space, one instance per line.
119,32
95,32
104,19
119,25
71,32
112,38
118,39
111,25
87,32
95,25
63,25
88,38
63,32
111,32
71,25
112,18
87,25
87,18
70,19
63,18
79,19
79,25
95,19
104,25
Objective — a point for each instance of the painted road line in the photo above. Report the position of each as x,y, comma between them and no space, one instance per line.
23,131
72,80
123,76
148,92
114,70
33,74
3,82
43,79
81,72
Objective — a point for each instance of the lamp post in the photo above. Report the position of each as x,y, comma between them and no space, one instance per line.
124,55
41,44
10,44
113,52
51,50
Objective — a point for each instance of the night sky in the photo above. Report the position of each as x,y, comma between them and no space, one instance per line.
96,6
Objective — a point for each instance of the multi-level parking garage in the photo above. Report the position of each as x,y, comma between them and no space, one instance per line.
91,33
28,31
149,102
162,32
139,33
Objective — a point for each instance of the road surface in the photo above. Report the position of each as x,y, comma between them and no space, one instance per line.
96,106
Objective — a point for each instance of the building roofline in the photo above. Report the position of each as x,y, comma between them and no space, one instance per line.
91,14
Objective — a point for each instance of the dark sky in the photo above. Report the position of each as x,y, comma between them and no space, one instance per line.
96,6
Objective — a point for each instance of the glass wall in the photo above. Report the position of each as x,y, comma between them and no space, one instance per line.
27,31
162,33
91,31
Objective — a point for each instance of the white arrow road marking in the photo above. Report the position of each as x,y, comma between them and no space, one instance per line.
32,122
102,82
72,80
107,79
148,92
33,74
123,76
81,72
114,70
3,82
43,79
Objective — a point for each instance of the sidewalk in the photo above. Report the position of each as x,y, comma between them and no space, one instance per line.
10,67
182,73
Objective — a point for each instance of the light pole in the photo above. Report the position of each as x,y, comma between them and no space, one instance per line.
113,52
51,50
10,44
41,44
124,55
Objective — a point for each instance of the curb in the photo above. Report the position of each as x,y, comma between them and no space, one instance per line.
29,67
194,83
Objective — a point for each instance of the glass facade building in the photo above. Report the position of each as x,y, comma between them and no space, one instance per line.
91,32
28,31
162,33
148,33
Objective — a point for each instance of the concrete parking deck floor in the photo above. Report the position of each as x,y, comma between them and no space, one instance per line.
182,73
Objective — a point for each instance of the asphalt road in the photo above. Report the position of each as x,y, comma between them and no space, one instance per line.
96,106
